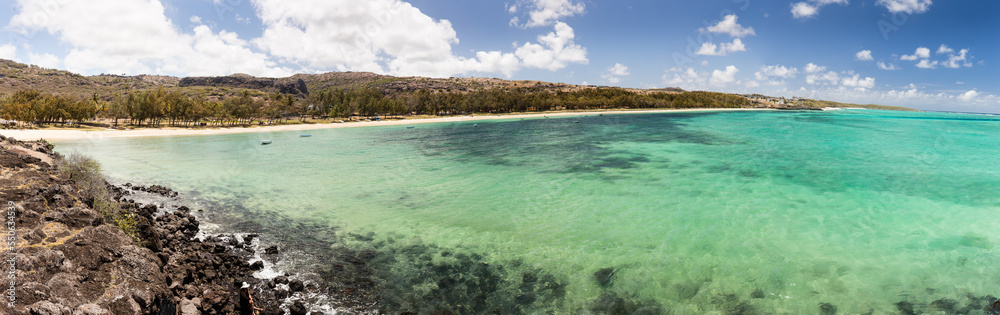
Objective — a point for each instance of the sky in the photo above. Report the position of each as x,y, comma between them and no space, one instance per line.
926,54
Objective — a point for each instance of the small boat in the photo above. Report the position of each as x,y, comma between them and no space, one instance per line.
306,135
410,127
265,142
576,121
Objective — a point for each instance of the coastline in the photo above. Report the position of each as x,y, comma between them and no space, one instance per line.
67,134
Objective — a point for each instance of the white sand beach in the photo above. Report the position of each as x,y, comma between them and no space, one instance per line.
69,134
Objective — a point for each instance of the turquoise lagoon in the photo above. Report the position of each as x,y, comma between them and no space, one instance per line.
695,212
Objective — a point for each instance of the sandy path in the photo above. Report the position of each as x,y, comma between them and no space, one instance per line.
161,132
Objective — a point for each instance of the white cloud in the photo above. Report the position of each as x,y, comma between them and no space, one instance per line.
8,52
385,36
556,50
865,55
776,71
921,53
944,49
723,77
817,75
619,70
957,61
968,96
752,84
927,64
357,36
805,10
693,80
138,39
687,79
729,26
615,73
813,68
884,66
830,77
711,49
857,81
907,6
547,12
802,10
391,36
45,60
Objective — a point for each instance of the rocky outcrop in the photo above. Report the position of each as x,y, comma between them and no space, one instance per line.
70,260
285,85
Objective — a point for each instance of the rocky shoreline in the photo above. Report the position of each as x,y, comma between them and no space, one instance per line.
68,259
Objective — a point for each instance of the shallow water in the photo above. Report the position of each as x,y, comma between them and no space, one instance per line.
775,212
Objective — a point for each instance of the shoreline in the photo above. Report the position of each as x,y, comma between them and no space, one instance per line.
68,134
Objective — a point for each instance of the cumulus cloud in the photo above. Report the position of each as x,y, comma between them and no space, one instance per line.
927,64
8,51
615,73
957,60
391,36
968,96
921,53
694,80
813,68
731,27
776,71
385,36
44,60
555,51
858,82
546,12
139,39
884,66
711,49
804,10
817,75
864,55
687,79
723,77
356,36
905,6
619,70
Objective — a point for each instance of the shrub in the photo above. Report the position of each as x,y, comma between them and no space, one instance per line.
86,174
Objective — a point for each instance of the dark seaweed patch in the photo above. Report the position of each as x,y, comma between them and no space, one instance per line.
827,309
612,304
426,279
730,304
541,141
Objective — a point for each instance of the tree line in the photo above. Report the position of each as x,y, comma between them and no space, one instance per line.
175,108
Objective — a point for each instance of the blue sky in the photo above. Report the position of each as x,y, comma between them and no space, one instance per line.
928,54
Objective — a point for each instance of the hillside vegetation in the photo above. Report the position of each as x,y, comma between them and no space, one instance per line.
31,95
